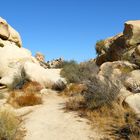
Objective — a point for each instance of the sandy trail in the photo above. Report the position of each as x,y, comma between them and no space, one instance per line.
50,122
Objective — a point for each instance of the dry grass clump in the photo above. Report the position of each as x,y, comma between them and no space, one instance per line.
32,87
73,89
100,93
29,99
99,103
27,96
10,128
75,103
116,122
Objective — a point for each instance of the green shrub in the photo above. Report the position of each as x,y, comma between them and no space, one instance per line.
71,72
9,125
77,73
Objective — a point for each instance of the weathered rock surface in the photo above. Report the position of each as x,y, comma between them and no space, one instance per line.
132,32
121,46
40,57
132,83
17,64
119,61
46,77
8,33
134,102
11,62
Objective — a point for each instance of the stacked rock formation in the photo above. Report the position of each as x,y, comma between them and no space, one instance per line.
119,61
17,63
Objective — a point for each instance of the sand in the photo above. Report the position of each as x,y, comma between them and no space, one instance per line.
50,121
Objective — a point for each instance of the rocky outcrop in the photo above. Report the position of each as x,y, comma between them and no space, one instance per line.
56,63
46,77
134,102
119,61
40,57
12,61
121,46
18,65
132,32
132,83
7,33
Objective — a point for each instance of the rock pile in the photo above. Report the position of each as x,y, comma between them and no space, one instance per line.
119,61
124,46
56,63
17,63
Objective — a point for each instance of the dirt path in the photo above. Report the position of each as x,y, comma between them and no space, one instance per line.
50,122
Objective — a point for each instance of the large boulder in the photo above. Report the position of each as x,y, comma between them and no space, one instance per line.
18,65
134,102
40,57
8,33
116,68
132,32
4,32
132,83
14,36
122,46
11,64
46,77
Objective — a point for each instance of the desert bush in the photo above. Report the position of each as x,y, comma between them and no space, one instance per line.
70,71
100,47
96,93
100,93
77,73
27,96
29,99
87,70
116,122
9,126
32,87
73,89
75,103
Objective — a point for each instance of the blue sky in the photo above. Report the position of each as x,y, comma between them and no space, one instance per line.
67,28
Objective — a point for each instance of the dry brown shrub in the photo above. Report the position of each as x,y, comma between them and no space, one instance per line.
10,125
27,96
75,103
73,89
28,100
115,121
32,87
